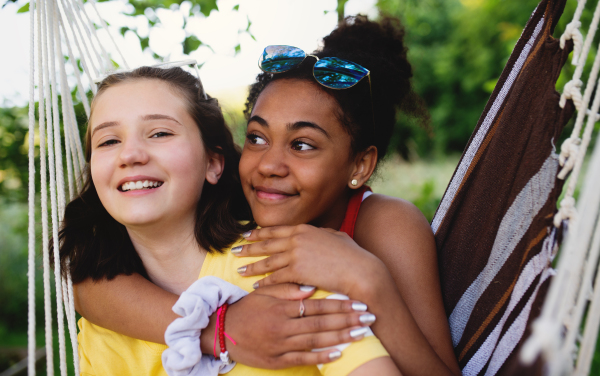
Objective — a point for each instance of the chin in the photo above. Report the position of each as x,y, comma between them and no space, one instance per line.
276,220
136,220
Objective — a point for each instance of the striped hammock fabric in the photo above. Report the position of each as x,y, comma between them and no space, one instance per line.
494,227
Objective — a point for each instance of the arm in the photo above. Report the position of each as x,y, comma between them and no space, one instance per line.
267,328
409,253
409,289
129,305
379,366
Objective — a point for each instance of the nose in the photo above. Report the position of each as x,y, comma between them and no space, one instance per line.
133,153
273,163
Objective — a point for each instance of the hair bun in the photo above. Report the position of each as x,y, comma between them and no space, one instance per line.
370,41
379,47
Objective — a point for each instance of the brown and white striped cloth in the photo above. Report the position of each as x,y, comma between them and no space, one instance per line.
493,228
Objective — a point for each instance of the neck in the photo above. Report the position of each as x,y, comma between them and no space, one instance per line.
333,217
171,255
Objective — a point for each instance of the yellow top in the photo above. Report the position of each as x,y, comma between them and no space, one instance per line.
104,352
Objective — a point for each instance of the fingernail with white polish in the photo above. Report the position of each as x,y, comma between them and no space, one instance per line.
242,269
367,318
236,250
359,307
247,234
335,355
357,333
255,285
306,288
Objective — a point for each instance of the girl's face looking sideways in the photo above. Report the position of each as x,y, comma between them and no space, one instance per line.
142,132
296,163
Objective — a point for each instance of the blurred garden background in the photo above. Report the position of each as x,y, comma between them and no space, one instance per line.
458,49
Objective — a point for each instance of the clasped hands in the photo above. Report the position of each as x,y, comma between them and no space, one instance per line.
267,321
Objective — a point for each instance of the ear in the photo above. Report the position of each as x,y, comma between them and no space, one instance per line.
364,165
215,167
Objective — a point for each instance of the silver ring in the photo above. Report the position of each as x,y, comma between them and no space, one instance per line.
301,310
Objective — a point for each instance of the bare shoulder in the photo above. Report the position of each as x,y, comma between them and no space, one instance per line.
389,219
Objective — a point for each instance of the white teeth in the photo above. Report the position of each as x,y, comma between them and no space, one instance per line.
141,184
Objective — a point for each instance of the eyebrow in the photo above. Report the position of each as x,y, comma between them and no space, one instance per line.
291,126
145,117
104,125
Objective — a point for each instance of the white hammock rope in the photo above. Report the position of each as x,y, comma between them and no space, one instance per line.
105,27
31,341
92,36
570,149
86,69
65,95
52,81
44,89
556,333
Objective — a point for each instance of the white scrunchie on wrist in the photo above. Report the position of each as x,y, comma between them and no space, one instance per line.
196,305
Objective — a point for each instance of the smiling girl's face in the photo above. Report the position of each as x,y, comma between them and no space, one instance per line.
297,160
148,162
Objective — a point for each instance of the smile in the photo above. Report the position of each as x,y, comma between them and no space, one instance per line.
272,194
140,184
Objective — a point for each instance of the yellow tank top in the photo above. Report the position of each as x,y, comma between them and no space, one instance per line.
104,352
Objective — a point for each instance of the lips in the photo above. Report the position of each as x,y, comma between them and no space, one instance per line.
139,182
267,193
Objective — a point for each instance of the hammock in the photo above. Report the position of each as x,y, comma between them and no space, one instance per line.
494,254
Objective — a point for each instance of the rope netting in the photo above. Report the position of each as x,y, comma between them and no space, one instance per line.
561,334
56,24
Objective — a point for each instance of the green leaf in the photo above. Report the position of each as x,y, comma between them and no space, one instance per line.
123,30
238,48
144,42
236,7
206,6
24,9
191,44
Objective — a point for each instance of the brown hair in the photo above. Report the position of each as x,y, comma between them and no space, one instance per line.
93,244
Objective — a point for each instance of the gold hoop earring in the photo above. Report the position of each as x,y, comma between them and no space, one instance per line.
354,182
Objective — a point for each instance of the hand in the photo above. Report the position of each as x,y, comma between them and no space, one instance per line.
308,255
270,334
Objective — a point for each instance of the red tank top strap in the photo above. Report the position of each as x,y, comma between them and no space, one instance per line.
352,210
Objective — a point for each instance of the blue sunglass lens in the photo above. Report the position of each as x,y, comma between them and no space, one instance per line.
277,59
338,73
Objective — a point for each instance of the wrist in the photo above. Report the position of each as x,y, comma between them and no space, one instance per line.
374,285
207,336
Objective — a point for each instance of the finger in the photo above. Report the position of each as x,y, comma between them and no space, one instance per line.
287,291
265,247
283,275
314,307
267,265
273,232
331,322
307,358
327,339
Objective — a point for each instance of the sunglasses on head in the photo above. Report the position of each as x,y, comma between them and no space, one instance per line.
330,72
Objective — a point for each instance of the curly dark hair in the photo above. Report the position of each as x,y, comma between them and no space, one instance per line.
379,47
93,244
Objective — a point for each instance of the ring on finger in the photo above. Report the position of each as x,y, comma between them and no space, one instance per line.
301,310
